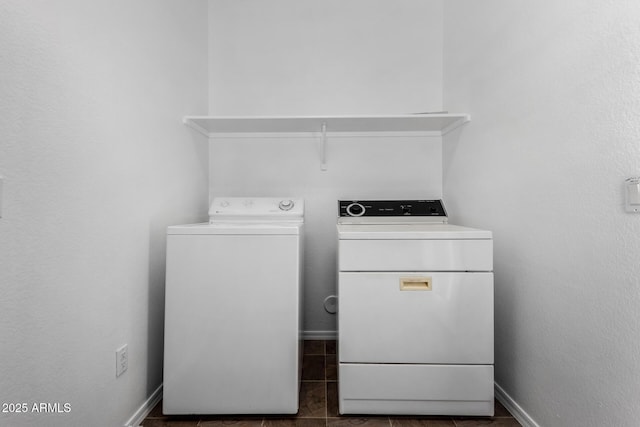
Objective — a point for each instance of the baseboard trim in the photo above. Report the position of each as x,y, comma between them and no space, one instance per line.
138,417
512,406
319,335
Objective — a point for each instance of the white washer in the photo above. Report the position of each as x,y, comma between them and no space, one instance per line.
415,311
233,310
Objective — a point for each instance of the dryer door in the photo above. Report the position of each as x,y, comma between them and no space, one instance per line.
416,317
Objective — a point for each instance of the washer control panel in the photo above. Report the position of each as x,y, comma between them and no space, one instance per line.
391,208
255,209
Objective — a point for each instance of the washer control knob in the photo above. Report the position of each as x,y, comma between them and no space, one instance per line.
355,209
286,205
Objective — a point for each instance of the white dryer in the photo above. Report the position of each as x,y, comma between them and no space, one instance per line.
415,311
233,306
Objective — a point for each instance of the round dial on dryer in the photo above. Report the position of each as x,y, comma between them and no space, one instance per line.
355,209
286,205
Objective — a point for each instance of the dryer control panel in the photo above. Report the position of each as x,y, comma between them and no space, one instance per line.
391,208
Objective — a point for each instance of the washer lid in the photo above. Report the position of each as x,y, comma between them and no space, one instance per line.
256,209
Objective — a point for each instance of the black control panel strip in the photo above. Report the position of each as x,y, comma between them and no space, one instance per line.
381,208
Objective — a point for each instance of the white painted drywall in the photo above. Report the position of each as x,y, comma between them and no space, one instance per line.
287,57
554,92
329,57
96,164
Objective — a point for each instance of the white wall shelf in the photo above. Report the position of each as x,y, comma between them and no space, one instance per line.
436,123
233,126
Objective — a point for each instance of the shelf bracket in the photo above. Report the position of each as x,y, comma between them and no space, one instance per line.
323,154
455,125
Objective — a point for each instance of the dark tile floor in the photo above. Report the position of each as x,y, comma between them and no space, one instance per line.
319,405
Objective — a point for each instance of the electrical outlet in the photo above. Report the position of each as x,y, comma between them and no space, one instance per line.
122,360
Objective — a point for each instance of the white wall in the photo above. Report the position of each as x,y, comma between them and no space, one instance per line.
554,93
329,57
96,163
288,57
